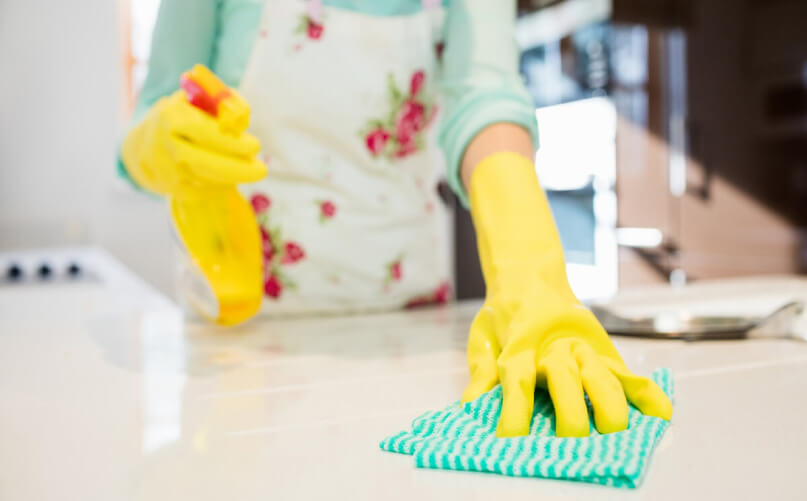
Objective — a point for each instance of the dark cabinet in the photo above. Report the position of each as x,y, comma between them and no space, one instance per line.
718,162
711,140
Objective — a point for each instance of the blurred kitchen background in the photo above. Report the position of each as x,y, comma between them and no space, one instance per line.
673,136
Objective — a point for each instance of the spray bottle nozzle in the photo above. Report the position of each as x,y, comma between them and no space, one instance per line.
205,91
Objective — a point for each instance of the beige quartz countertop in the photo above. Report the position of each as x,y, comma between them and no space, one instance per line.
107,394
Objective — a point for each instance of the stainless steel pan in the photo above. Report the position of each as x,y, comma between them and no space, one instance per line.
680,325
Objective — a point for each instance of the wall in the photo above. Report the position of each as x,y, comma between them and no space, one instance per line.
60,123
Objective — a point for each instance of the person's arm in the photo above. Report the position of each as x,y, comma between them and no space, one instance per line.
532,330
184,35
495,138
488,109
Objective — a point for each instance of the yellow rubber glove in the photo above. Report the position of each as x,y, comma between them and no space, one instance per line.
180,144
196,154
532,330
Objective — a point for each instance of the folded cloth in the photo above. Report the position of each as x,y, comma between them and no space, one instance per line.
464,438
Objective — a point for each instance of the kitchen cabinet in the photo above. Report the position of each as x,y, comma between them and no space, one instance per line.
718,163
711,139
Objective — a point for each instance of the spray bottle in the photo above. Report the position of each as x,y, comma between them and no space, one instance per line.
217,232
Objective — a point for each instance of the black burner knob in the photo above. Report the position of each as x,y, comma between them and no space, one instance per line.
44,271
74,270
14,272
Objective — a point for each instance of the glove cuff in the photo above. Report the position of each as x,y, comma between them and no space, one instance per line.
517,238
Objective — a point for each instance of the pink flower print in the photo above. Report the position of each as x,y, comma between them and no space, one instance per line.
293,253
400,132
416,83
417,302
273,287
376,140
410,119
268,252
438,50
287,253
311,26
443,293
268,247
260,203
314,30
405,149
395,271
327,210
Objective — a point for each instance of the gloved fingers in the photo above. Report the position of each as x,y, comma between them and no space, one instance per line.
215,167
603,390
642,392
565,387
197,127
483,350
517,376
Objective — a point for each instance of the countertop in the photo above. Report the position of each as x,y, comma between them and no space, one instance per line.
108,394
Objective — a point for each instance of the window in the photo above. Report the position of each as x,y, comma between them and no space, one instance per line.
139,19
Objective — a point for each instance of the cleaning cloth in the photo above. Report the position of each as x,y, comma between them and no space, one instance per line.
464,438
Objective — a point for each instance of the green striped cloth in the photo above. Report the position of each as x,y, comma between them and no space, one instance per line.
464,438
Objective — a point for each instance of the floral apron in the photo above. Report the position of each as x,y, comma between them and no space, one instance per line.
344,105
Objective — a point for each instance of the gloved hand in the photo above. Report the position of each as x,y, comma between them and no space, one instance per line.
182,144
532,330
193,148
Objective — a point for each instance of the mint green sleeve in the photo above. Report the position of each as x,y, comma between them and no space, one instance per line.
184,35
481,84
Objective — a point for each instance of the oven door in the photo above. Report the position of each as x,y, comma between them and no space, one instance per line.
576,165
